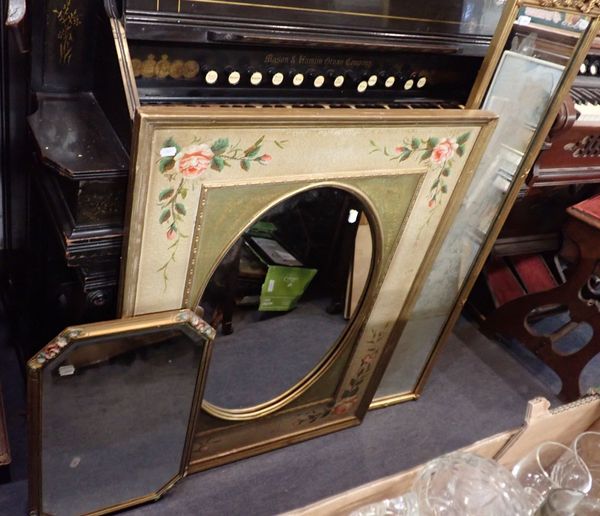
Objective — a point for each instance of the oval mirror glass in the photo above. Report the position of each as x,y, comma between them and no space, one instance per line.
283,296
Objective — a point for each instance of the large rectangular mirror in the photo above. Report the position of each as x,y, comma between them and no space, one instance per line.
533,59
112,410
253,213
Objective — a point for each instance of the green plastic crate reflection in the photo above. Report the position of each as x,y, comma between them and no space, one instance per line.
283,287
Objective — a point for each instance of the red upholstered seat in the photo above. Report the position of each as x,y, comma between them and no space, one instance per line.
587,211
532,275
502,283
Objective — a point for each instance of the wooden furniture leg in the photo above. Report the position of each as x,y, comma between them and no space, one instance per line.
512,318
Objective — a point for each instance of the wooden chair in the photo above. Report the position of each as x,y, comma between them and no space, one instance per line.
514,318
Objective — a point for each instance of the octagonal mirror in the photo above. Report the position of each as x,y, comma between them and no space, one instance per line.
111,406
281,298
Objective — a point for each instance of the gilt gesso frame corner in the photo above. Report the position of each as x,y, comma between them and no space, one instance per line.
58,347
203,175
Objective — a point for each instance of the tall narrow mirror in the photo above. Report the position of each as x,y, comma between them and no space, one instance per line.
530,73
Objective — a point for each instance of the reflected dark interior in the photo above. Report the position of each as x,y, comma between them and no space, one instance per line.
270,335
107,405
454,16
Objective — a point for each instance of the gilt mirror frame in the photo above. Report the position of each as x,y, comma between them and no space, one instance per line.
484,81
67,339
203,175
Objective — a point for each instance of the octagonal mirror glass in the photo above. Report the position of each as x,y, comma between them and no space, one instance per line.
112,409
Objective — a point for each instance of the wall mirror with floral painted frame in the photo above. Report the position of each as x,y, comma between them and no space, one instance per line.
112,407
204,176
532,62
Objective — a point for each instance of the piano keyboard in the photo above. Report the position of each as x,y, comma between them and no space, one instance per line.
587,104
573,156
371,105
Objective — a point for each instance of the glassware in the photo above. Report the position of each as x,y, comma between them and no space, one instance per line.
560,502
464,484
405,505
569,502
551,466
588,507
587,448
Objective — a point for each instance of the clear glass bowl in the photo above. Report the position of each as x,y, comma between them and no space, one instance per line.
464,484
587,448
405,505
551,466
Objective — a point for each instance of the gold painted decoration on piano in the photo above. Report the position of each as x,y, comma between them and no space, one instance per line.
68,18
150,68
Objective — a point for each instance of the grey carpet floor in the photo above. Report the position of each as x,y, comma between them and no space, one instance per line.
238,360
477,389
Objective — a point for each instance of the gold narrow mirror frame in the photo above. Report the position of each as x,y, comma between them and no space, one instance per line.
112,409
205,176
525,84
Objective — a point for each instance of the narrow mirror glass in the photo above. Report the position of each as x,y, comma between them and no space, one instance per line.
283,295
528,76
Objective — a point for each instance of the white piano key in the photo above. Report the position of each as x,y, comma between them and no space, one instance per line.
588,112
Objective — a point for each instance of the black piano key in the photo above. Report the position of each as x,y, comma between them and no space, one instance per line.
595,94
591,99
577,98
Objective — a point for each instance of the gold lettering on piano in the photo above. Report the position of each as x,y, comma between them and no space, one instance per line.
585,6
68,19
312,60
358,63
274,59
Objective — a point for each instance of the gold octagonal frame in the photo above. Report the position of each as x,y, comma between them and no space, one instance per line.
65,340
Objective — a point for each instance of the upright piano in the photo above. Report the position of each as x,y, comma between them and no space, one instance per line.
94,63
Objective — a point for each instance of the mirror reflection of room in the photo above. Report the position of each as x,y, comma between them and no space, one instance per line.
283,294
103,404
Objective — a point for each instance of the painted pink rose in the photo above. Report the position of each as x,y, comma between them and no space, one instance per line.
171,234
344,406
194,160
264,159
367,359
444,150
52,350
400,149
